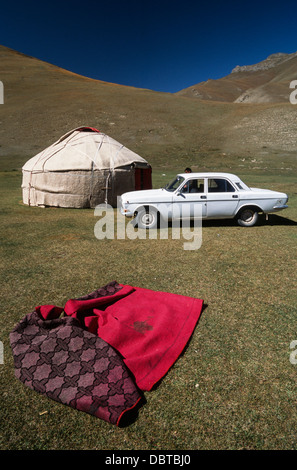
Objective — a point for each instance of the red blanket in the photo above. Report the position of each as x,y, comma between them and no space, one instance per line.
148,328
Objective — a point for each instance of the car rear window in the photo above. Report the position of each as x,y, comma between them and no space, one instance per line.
220,185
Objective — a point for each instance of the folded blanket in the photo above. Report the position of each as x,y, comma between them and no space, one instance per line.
107,345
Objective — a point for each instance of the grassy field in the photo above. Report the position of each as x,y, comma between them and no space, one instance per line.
234,386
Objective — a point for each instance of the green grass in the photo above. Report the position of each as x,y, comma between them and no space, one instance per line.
232,388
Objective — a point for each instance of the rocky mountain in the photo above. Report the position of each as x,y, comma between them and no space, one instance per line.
265,82
272,61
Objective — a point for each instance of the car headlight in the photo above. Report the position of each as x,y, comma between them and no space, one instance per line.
282,202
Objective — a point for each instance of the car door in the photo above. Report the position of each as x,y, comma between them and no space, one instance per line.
190,199
222,198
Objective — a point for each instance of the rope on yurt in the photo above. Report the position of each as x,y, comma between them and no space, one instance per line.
91,183
111,171
29,192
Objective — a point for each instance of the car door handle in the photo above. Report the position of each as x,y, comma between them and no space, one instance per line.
235,196
202,197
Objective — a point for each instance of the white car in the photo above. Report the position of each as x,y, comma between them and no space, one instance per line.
210,195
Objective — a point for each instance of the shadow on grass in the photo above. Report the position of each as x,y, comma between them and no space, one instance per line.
273,219
131,415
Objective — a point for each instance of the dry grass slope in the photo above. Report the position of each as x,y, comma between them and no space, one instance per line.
42,102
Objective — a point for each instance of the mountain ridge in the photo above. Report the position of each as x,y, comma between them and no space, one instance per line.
265,82
272,61
60,69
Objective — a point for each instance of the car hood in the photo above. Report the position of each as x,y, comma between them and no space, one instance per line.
145,195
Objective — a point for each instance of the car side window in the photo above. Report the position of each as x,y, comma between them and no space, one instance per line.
194,186
220,185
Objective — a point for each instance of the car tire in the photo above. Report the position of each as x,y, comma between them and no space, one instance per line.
147,219
247,217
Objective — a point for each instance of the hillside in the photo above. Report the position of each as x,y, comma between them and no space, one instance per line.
265,82
42,102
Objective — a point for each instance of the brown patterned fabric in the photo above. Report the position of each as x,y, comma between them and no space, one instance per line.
109,289
68,364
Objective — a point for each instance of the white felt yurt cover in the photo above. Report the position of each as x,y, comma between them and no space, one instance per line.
82,169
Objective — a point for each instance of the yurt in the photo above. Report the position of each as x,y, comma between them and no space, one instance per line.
82,169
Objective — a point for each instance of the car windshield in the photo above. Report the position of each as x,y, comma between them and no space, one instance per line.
241,186
178,180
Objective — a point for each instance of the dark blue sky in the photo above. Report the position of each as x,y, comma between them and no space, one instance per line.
160,45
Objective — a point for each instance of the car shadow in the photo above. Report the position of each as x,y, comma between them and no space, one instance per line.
273,220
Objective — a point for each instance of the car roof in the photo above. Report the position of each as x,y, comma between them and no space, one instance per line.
210,174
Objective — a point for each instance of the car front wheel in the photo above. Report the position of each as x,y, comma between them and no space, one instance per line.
147,218
247,217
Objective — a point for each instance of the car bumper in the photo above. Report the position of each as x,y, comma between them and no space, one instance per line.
126,212
279,208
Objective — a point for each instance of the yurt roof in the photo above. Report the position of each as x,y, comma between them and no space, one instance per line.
83,148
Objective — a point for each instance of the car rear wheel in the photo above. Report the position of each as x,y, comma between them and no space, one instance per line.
247,217
146,218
